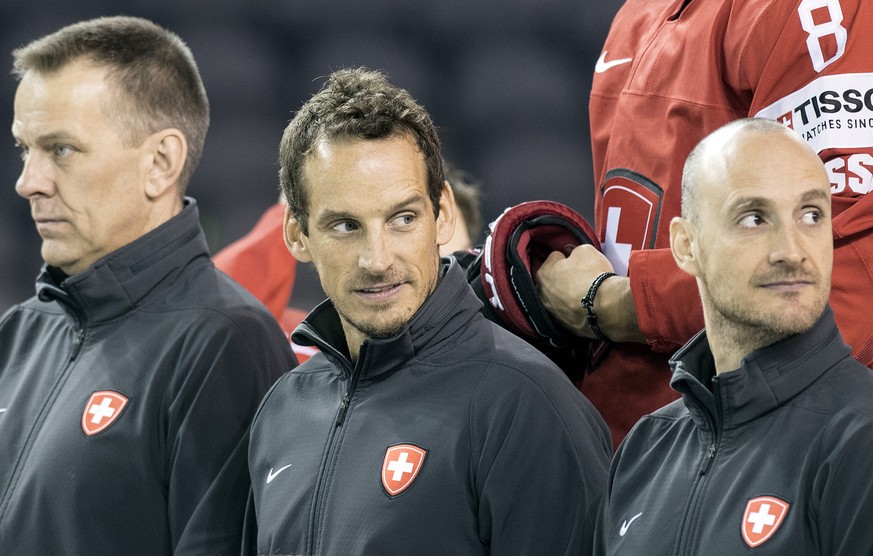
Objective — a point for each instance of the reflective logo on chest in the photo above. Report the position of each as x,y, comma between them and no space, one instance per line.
762,518
401,466
103,409
629,220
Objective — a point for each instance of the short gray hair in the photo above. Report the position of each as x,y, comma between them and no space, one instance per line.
157,81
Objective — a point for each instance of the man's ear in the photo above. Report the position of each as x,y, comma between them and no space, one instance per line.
295,239
167,151
445,223
683,244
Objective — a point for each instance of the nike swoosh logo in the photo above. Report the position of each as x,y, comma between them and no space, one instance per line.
626,524
271,475
602,65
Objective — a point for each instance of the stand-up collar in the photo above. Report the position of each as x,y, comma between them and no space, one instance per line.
118,282
766,379
443,315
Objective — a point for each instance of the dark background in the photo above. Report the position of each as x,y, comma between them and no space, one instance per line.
506,82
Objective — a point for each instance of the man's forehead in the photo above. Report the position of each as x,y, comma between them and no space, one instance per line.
772,163
79,75
396,150
44,127
356,173
50,103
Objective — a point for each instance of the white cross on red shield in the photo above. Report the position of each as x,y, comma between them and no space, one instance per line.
762,518
102,409
400,467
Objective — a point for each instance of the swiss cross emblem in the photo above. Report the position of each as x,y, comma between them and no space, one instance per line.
629,219
762,517
102,409
400,467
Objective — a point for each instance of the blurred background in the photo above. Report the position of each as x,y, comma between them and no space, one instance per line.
506,82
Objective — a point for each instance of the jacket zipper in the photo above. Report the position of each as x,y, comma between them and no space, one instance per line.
78,343
341,414
347,398
716,429
689,521
329,461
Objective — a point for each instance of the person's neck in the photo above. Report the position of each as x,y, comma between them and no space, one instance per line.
730,342
353,345
354,351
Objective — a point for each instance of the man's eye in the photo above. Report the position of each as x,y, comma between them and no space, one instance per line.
404,220
62,151
811,217
751,221
344,227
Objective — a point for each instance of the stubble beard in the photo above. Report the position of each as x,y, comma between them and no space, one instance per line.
390,325
749,325
374,329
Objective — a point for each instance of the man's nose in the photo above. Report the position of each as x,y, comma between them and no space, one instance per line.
377,255
35,178
787,246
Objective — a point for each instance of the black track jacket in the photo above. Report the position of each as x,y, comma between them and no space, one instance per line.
452,437
126,393
773,460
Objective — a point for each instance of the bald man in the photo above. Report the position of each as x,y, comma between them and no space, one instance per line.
766,447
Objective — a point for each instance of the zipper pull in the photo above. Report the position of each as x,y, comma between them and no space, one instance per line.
341,416
710,454
77,344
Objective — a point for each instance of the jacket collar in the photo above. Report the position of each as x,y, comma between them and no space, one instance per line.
118,282
766,379
443,315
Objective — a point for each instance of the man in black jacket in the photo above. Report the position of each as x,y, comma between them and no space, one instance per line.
765,449
420,426
127,385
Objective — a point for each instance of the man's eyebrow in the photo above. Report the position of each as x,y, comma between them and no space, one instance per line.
816,195
49,138
742,204
331,215
413,201
416,200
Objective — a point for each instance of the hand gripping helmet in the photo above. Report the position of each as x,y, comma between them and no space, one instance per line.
502,273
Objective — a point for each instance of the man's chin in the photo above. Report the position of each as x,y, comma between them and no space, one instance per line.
794,321
376,325
384,334
383,329
54,259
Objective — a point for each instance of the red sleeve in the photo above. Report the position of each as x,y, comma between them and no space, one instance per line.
260,261
666,299
852,280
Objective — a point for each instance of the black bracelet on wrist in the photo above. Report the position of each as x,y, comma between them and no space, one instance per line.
588,303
